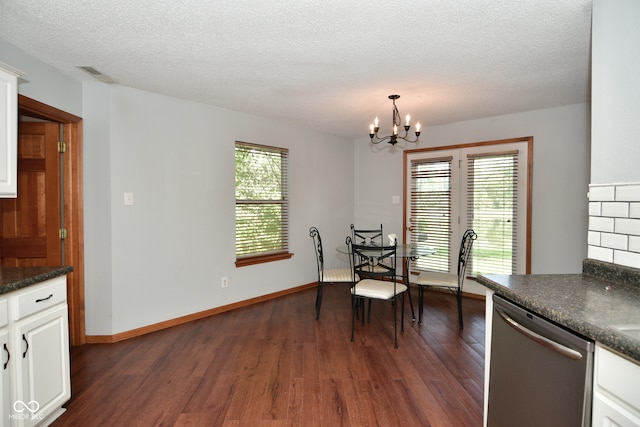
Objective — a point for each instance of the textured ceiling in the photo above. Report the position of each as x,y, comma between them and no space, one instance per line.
328,65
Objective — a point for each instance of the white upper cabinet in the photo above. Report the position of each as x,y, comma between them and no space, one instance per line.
8,130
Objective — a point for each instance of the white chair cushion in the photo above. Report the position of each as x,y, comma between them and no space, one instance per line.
432,278
337,275
378,289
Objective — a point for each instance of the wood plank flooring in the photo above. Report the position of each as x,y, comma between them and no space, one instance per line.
273,364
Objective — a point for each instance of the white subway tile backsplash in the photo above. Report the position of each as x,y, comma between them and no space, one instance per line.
627,226
630,259
595,208
614,223
628,193
601,254
614,241
602,193
615,209
598,223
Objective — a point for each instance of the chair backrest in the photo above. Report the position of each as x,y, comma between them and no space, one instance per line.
317,243
367,236
377,262
465,250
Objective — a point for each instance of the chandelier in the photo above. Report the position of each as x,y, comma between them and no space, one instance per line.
397,122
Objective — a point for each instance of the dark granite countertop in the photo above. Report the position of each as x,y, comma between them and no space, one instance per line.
590,304
14,278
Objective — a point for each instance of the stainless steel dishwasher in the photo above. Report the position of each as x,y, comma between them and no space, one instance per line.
540,373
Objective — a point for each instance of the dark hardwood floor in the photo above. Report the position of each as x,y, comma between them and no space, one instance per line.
273,364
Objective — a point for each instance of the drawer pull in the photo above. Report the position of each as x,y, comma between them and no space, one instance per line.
44,299
8,356
24,338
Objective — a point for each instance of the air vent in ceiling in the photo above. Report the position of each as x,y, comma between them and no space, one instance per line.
97,74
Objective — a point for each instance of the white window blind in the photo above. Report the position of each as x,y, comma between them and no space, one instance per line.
262,201
492,211
430,218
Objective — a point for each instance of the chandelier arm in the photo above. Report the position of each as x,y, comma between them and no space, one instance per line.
378,140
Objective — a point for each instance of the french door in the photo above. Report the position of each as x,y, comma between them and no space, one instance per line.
482,186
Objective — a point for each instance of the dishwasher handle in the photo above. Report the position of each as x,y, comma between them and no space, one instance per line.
546,342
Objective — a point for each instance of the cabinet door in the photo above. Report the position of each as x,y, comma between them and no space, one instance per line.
609,413
8,131
5,357
43,368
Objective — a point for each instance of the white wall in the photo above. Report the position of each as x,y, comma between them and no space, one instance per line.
167,253
560,178
615,92
614,234
42,82
97,209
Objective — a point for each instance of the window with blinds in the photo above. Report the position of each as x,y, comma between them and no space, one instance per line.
482,186
431,210
492,211
262,202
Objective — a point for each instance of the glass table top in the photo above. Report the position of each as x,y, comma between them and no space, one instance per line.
404,251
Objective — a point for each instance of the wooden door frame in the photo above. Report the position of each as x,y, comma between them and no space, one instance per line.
73,209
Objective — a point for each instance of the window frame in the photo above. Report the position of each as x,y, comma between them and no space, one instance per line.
269,255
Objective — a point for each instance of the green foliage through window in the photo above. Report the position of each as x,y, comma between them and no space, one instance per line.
261,200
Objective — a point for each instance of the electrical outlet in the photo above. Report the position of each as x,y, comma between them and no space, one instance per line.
224,281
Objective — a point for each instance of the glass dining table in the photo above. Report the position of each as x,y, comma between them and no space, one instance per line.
408,252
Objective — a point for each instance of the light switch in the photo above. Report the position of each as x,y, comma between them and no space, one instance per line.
395,200
128,199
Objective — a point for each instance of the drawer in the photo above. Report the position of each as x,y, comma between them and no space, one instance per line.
618,376
4,314
43,296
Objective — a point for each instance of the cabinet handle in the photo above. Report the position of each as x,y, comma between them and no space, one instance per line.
24,338
8,356
44,299
544,341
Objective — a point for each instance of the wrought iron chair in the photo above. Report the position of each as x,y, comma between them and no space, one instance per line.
370,237
375,237
367,237
374,277
326,276
450,282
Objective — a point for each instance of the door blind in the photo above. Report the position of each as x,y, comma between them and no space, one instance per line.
430,219
492,196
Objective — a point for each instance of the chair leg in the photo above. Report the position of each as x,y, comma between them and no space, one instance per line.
395,323
413,315
318,300
354,309
368,313
420,303
459,297
402,314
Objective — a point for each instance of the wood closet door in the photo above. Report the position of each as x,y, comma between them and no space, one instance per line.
30,224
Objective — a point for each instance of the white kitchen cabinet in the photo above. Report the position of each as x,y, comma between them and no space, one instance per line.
8,130
616,401
38,341
43,369
5,358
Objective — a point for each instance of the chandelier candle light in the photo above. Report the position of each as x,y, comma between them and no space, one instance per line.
393,138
